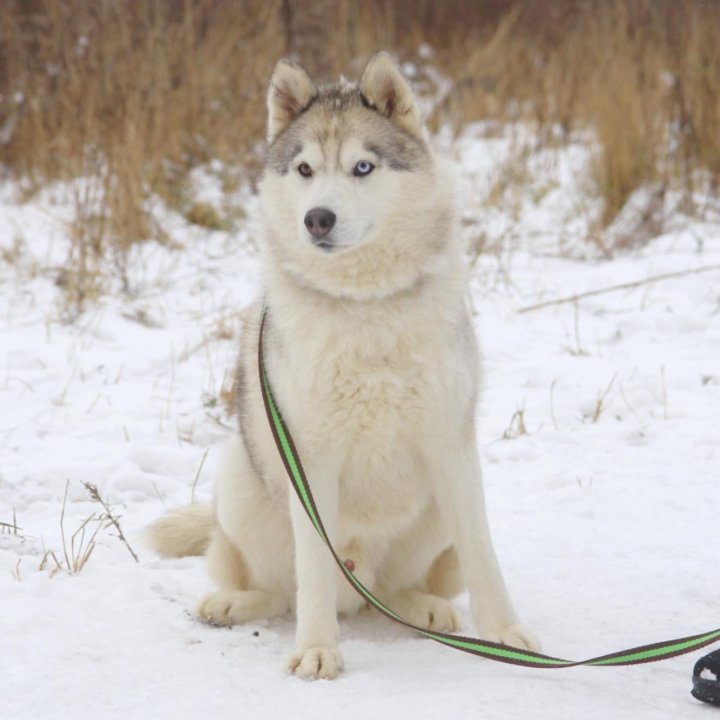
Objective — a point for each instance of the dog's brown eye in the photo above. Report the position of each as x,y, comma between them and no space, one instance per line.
305,170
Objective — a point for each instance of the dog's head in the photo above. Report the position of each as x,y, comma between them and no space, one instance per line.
350,191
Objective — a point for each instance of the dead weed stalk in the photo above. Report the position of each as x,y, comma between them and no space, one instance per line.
109,516
517,427
78,545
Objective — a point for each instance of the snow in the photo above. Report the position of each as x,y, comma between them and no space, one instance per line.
604,512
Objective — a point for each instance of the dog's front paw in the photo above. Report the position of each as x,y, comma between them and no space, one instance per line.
513,635
316,663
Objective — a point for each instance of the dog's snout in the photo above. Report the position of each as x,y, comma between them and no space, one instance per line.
319,222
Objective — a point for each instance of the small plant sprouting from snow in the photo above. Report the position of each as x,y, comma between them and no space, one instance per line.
601,402
517,426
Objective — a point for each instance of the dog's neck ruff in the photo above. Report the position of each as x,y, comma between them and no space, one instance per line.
361,297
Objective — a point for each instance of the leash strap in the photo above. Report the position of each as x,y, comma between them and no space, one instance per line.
490,650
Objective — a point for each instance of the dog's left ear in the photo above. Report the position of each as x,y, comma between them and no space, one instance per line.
385,89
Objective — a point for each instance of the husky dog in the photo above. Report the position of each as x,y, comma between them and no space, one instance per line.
373,363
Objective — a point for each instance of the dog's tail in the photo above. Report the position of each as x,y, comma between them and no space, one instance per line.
184,531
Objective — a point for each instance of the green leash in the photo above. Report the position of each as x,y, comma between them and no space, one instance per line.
490,650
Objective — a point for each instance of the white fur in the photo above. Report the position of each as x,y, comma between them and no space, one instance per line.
373,363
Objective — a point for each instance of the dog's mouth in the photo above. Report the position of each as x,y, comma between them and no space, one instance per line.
330,245
324,244
333,245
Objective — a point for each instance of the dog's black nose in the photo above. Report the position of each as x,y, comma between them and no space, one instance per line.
319,222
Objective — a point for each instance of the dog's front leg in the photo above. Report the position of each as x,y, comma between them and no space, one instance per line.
316,654
461,501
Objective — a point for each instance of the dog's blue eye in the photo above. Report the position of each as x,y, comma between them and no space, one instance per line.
305,170
363,168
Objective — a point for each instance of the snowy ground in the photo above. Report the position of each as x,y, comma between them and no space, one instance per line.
601,452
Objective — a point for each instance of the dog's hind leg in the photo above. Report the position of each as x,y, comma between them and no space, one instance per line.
226,564
425,610
461,502
444,577
420,574
234,607
429,606
235,603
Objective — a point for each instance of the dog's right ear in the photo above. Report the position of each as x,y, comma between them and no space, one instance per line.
290,92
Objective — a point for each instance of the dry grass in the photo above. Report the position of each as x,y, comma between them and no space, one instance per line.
78,545
134,95
10,527
516,427
110,518
601,402
644,74
123,86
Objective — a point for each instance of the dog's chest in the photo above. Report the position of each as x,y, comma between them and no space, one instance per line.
383,486
372,390
375,401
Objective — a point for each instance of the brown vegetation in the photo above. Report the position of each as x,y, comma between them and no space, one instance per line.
643,74
136,94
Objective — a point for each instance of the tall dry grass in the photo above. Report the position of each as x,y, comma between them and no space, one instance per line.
644,75
133,95
136,94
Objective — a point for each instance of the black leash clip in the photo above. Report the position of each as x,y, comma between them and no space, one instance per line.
706,678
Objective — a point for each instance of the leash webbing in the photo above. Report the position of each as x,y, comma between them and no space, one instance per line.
490,650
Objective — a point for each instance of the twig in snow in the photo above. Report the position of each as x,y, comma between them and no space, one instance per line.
600,402
197,475
95,495
217,419
621,286
10,527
